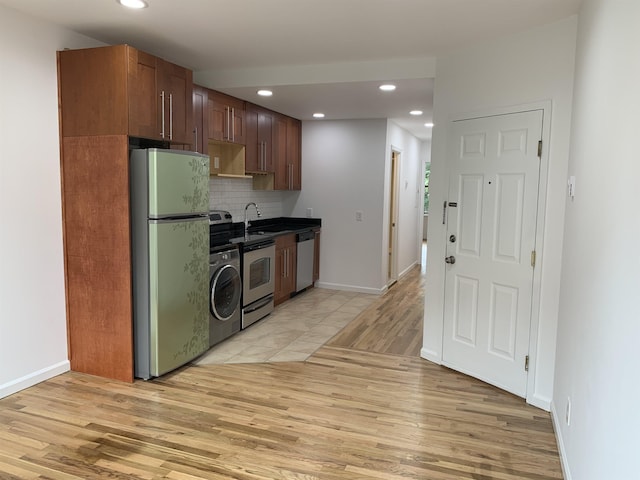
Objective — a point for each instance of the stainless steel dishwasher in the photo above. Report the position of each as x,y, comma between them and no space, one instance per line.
304,271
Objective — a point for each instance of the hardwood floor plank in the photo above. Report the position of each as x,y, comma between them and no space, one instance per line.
392,324
364,406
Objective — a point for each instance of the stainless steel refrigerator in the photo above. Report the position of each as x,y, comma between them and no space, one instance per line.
170,247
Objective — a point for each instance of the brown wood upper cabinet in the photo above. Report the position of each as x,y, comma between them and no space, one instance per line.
200,120
288,158
226,118
259,140
120,90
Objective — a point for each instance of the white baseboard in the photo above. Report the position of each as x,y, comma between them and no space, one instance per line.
407,270
543,403
564,461
351,288
431,355
31,379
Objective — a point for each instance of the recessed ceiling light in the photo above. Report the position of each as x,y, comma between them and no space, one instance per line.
416,112
318,115
265,93
133,3
387,87
428,125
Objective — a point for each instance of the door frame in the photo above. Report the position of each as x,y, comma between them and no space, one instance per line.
394,199
534,328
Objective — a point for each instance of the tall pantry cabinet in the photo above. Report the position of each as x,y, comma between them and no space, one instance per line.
109,97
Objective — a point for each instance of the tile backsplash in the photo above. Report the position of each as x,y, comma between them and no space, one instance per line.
233,194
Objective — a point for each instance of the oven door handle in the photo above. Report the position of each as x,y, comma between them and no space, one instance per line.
259,304
259,246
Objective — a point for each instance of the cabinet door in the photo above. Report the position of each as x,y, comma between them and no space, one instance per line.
177,85
200,120
259,140
279,274
294,161
226,118
285,279
252,159
316,256
280,154
292,263
217,118
288,154
144,103
265,139
238,129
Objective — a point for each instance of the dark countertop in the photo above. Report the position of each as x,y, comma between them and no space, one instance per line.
261,230
284,224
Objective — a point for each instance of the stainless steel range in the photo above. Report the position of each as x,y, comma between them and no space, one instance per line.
258,278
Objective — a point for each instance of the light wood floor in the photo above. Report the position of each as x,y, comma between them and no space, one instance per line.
359,408
393,324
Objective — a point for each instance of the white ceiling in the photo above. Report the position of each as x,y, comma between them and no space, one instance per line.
317,55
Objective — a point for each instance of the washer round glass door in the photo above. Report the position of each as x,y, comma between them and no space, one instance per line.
226,288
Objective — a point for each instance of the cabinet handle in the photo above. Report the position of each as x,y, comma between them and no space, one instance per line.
196,145
162,110
233,124
225,123
286,264
170,116
284,252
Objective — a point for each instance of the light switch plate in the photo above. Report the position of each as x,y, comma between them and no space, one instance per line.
358,215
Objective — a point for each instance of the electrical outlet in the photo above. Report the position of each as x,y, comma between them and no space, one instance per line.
216,162
358,215
309,212
568,412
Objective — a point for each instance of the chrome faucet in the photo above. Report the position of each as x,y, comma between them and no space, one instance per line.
246,220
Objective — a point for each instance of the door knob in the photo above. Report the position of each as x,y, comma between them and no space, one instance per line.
450,259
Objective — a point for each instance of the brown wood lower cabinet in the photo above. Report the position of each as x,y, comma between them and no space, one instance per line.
316,256
285,268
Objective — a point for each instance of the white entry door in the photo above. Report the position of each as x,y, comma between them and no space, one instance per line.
491,222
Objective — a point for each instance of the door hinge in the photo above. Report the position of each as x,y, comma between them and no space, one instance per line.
539,148
526,363
533,258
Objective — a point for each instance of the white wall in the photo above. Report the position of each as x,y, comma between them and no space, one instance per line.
33,339
410,196
343,170
599,318
529,67
346,167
